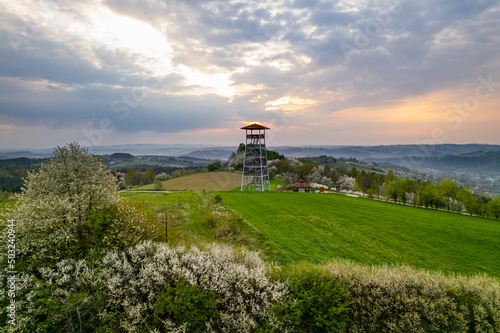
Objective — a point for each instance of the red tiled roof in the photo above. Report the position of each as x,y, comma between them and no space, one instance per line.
255,126
301,184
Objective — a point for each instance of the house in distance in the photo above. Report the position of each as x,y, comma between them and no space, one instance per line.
301,186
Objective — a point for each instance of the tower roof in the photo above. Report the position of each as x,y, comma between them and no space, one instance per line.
301,184
255,126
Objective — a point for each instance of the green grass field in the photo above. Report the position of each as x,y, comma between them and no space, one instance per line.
290,227
318,227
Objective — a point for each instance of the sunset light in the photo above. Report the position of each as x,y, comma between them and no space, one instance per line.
250,165
337,71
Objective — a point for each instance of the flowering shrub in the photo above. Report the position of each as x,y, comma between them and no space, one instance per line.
222,289
401,299
126,290
71,206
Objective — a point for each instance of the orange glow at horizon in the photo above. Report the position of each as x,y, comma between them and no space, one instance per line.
246,123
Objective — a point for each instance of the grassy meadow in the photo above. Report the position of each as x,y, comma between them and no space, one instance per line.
291,227
318,227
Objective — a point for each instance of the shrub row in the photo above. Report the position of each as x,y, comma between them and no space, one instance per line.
159,288
402,299
149,287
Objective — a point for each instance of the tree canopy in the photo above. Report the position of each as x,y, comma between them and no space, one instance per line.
70,206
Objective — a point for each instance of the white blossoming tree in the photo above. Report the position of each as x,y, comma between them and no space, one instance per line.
69,206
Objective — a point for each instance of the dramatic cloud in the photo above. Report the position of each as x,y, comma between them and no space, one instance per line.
319,72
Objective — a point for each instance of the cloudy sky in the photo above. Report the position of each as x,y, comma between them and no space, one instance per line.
194,71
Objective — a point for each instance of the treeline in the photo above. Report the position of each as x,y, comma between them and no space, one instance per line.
447,194
136,177
291,170
13,170
11,178
235,161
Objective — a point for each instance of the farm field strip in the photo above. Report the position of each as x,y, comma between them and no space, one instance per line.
214,181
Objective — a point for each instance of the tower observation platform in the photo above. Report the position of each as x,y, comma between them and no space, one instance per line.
255,175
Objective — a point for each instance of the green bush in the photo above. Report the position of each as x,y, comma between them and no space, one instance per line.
215,165
210,221
4,196
188,304
403,299
316,301
218,198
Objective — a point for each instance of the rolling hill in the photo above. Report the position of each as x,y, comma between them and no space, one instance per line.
318,227
214,181
292,227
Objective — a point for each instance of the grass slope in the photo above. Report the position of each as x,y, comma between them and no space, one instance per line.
319,227
188,212
215,181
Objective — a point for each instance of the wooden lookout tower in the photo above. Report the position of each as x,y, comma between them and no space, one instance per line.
255,171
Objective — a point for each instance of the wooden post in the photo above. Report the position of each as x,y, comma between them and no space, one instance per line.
166,227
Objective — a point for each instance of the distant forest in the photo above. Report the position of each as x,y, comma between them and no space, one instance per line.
12,172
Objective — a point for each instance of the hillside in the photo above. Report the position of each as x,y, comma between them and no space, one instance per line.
474,162
292,227
319,227
214,181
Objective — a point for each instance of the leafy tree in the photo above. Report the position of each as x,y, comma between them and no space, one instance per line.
162,176
273,155
392,190
57,200
284,166
133,176
305,169
235,161
410,187
342,171
158,185
389,177
439,201
375,188
215,165
448,189
358,184
426,194
468,200
334,175
363,181
493,207
354,172
149,176
401,190
241,148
